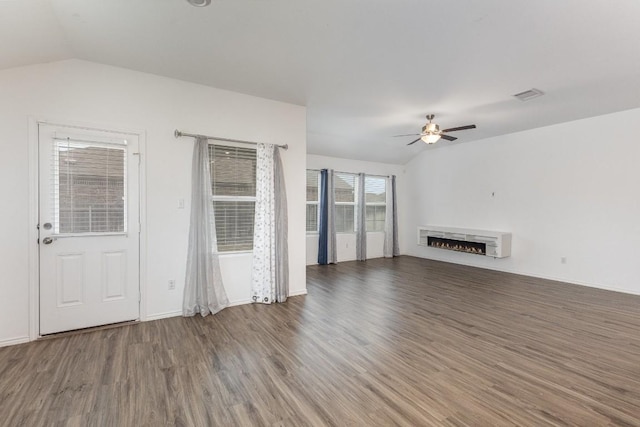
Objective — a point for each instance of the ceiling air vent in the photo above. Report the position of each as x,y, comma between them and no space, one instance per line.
529,94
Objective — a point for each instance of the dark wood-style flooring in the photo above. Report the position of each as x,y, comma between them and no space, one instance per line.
406,342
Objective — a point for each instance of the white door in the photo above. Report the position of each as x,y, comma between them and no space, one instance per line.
89,228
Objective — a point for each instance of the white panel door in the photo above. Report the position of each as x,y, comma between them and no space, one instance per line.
89,228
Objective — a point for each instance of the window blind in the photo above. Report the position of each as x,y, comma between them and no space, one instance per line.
233,171
375,198
345,197
89,187
345,184
313,184
313,199
375,189
233,183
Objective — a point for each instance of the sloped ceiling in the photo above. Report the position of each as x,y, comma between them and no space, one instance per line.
366,70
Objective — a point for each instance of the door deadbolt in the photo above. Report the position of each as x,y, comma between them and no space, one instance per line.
47,226
47,240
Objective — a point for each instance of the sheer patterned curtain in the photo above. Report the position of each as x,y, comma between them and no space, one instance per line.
361,221
270,271
203,290
327,253
391,247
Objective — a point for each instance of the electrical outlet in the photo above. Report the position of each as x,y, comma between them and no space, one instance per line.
172,284
563,260
180,203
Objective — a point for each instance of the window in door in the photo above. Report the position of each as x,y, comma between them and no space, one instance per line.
89,187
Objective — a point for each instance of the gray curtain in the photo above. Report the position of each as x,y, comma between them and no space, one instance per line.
391,247
282,230
361,221
396,244
203,289
327,253
332,251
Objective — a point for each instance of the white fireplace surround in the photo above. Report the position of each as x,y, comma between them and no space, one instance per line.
498,243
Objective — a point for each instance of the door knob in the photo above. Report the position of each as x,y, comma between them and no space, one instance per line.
47,240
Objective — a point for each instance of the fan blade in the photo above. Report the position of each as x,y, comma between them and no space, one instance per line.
413,142
409,134
448,138
459,128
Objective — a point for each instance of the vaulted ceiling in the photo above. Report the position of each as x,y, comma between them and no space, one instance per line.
366,70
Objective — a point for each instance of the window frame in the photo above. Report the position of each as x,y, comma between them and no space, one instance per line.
219,198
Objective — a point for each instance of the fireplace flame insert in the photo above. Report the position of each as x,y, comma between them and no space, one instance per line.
457,245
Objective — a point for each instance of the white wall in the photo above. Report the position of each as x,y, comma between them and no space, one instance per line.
569,190
84,92
346,242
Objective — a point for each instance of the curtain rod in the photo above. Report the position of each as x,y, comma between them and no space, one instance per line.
353,173
178,134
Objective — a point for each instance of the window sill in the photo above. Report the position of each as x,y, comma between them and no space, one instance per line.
354,233
234,253
315,234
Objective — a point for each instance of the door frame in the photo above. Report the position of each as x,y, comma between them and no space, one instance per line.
34,175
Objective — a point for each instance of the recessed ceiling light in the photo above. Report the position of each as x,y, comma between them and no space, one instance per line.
199,3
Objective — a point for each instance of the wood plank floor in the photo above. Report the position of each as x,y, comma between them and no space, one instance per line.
407,342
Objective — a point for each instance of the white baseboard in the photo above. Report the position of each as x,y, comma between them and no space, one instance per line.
177,313
297,293
239,302
248,301
164,315
13,341
536,275
579,283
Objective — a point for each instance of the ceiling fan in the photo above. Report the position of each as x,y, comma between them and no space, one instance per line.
431,132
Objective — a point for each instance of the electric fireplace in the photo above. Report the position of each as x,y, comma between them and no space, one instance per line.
496,244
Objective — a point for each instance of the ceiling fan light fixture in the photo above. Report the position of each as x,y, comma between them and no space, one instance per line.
431,138
199,3
431,128
431,132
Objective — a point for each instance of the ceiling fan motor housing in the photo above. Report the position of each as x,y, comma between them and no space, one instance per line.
431,128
